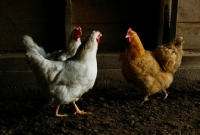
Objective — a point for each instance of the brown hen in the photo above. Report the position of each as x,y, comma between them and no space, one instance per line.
150,71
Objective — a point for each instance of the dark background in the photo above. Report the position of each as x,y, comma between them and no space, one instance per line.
44,20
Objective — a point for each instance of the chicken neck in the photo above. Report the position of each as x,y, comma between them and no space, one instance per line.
136,48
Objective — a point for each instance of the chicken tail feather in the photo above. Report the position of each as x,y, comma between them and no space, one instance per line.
32,53
29,43
33,56
169,55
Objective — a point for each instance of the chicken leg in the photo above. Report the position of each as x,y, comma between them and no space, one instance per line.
166,94
78,111
164,91
145,99
59,115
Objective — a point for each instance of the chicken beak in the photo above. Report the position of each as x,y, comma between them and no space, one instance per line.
127,36
100,35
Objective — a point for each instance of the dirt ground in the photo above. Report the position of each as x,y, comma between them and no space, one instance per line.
114,111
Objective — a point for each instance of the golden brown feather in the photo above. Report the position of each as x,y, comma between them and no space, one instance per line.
151,72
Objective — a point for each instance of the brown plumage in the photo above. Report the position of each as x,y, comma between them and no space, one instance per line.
150,71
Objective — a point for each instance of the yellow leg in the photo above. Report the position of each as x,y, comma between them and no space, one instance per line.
79,111
59,115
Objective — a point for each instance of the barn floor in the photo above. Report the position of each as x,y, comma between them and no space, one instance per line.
115,105
115,111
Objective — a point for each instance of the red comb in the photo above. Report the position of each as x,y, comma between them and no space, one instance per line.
79,28
129,29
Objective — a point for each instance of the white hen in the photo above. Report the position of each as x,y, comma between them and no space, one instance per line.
65,82
72,45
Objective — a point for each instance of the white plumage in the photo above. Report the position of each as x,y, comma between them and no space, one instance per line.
65,81
72,45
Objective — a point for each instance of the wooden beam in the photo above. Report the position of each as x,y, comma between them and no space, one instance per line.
166,22
173,19
161,22
68,18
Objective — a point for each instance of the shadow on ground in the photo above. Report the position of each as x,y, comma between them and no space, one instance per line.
115,111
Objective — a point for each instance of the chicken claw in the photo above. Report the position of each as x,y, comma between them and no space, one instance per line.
82,112
59,115
78,111
166,94
145,99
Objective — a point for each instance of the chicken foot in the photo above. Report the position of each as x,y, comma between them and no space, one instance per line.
59,115
165,97
78,111
145,99
166,94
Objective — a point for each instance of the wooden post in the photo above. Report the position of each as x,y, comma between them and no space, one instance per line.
68,19
166,22
173,19
161,22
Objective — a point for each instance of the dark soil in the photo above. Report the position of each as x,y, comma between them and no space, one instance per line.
115,111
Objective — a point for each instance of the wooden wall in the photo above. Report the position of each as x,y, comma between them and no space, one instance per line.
44,20
188,23
113,18
41,19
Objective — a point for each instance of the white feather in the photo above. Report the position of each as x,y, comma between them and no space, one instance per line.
64,82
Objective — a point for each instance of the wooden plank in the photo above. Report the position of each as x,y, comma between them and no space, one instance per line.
104,11
22,11
68,19
161,22
113,39
188,11
173,19
166,22
190,33
11,36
